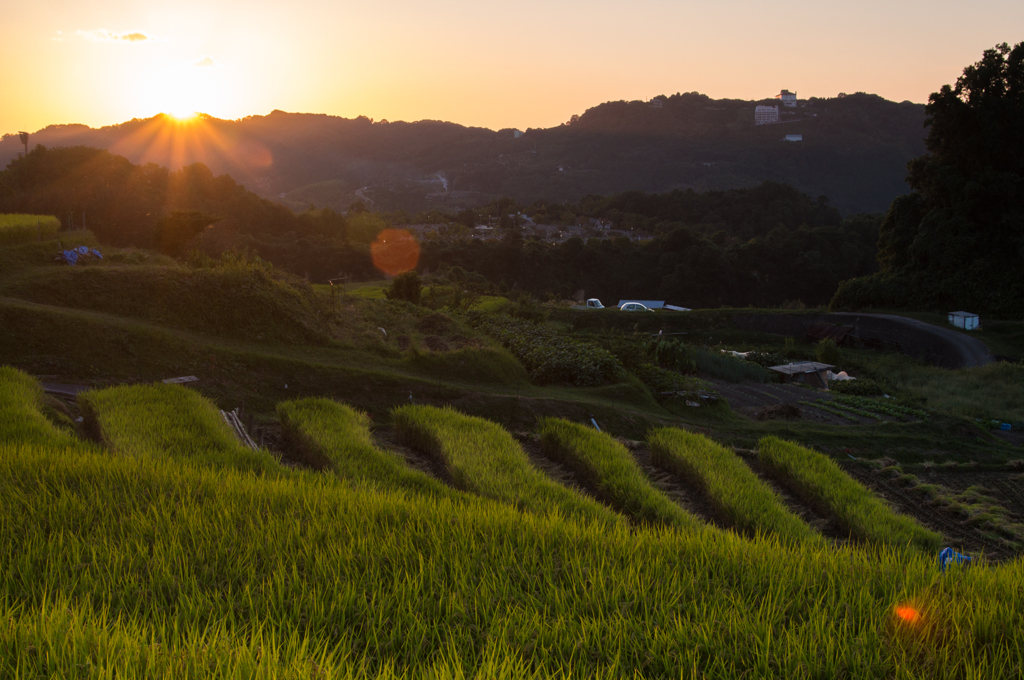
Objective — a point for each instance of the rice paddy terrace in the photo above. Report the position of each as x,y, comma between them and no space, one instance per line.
486,529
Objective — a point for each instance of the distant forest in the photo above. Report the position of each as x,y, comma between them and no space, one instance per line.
762,246
854,150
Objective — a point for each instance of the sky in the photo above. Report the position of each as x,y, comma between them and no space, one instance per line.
500,64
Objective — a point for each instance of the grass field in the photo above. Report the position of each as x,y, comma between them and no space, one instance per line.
140,567
820,481
610,469
17,229
738,494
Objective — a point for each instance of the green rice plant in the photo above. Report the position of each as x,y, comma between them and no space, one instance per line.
21,417
610,470
823,483
17,229
482,457
729,368
168,421
327,434
748,503
127,567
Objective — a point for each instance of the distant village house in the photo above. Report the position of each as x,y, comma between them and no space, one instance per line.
794,138
766,114
788,98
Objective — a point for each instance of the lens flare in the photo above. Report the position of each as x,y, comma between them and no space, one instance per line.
908,614
395,251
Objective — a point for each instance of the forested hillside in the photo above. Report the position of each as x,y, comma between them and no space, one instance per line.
854,151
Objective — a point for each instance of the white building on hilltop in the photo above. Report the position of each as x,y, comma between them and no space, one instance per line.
788,98
766,114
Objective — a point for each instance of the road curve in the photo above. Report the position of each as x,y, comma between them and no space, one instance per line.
972,351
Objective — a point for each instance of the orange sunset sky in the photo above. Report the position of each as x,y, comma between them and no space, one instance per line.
494,64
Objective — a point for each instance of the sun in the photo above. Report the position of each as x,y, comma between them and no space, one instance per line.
183,115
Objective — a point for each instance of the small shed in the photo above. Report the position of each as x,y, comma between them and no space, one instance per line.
965,320
808,372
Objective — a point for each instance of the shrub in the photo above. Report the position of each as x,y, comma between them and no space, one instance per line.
862,387
828,352
729,368
548,356
406,287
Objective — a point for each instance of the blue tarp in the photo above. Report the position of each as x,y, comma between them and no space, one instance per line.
950,556
71,256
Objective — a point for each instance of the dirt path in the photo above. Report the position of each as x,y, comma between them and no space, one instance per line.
971,351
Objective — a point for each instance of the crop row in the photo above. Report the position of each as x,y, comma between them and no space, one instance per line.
893,410
15,229
736,492
824,406
549,356
611,471
137,566
822,483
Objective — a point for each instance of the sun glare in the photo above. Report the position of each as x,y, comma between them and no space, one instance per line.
183,116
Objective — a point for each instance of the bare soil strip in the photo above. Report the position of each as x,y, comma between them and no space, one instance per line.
385,439
557,472
961,535
823,523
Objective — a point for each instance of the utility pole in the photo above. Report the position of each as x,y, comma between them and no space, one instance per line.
24,140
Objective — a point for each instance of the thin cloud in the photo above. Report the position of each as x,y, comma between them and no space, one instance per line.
103,35
206,62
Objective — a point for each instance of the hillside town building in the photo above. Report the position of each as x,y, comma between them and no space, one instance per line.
788,98
766,114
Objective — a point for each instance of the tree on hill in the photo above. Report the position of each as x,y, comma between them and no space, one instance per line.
958,240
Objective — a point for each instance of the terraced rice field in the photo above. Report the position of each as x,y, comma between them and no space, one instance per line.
133,560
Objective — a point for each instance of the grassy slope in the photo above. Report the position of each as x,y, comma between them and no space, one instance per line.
611,470
734,489
160,570
821,482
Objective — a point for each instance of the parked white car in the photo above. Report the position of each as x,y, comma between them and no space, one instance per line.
634,307
592,303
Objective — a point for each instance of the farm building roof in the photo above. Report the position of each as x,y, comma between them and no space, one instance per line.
802,367
963,314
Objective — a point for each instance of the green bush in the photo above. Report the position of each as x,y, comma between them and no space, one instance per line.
550,357
729,368
766,359
862,387
828,352
407,286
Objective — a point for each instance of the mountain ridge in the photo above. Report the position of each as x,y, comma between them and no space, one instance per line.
854,151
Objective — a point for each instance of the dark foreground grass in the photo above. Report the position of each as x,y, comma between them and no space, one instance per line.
324,433
738,494
823,483
610,470
140,567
